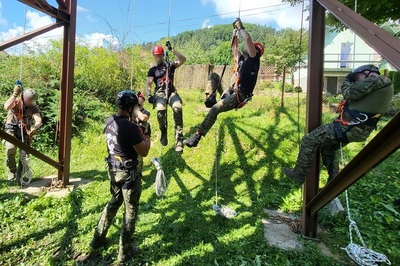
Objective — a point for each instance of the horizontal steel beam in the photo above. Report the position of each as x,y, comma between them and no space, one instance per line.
29,35
43,6
28,149
386,142
385,44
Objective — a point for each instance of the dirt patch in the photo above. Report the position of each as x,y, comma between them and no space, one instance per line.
52,187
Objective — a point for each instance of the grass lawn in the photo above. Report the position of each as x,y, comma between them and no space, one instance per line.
250,148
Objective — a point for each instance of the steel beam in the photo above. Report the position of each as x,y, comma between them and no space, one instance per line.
314,106
28,149
67,89
382,42
29,35
386,142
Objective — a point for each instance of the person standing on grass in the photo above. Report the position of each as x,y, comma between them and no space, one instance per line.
22,109
248,64
367,95
157,75
125,142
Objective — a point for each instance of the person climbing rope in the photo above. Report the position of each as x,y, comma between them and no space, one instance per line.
157,75
22,109
125,142
367,95
247,66
142,120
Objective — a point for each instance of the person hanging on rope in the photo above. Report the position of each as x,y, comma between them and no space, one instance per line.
22,109
157,75
367,95
125,142
247,64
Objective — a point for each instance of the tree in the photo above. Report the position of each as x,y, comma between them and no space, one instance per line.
376,11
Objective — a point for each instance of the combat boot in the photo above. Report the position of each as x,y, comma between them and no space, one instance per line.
97,241
179,143
164,137
291,173
193,140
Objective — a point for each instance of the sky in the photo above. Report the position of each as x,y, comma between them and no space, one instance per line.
120,22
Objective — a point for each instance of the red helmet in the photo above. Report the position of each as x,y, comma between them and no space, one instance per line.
259,47
158,50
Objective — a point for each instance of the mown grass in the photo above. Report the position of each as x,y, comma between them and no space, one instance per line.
249,147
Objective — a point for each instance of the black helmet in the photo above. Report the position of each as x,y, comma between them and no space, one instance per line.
370,68
127,99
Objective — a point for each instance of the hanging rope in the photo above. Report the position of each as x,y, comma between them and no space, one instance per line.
133,37
360,254
220,210
22,48
169,17
161,182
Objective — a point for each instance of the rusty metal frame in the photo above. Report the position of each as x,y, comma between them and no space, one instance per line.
65,15
387,140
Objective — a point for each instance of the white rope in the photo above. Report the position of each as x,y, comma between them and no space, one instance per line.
22,50
169,17
26,172
360,254
223,210
161,182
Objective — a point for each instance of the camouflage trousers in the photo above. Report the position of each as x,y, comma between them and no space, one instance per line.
175,102
325,138
213,84
11,152
229,102
125,188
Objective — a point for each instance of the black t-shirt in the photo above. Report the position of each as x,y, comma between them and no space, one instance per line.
158,73
248,73
121,135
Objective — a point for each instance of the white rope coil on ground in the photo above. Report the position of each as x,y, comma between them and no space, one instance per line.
360,254
161,182
26,172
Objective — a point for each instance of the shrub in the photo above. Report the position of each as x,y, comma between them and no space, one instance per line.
266,84
289,88
298,89
390,74
396,82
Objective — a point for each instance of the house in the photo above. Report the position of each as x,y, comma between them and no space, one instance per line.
345,51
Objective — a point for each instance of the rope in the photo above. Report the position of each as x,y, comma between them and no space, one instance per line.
169,17
26,172
22,51
133,36
161,182
223,210
360,254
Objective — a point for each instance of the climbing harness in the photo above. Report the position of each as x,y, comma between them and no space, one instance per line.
356,116
161,182
360,254
220,210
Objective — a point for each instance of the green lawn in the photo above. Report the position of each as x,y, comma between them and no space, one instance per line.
253,146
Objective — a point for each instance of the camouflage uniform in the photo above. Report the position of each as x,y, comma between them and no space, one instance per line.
175,102
13,128
372,95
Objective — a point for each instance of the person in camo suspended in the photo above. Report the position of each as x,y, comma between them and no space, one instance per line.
366,96
248,65
125,142
157,75
22,109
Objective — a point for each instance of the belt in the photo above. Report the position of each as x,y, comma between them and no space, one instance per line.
369,119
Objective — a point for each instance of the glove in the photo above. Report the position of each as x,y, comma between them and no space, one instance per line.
151,99
17,90
168,44
32,133
238,24
351,77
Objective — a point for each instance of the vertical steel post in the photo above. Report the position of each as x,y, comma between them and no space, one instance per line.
67,89
314,107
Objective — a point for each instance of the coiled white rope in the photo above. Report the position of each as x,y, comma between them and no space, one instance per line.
161,182
26,172
360,254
